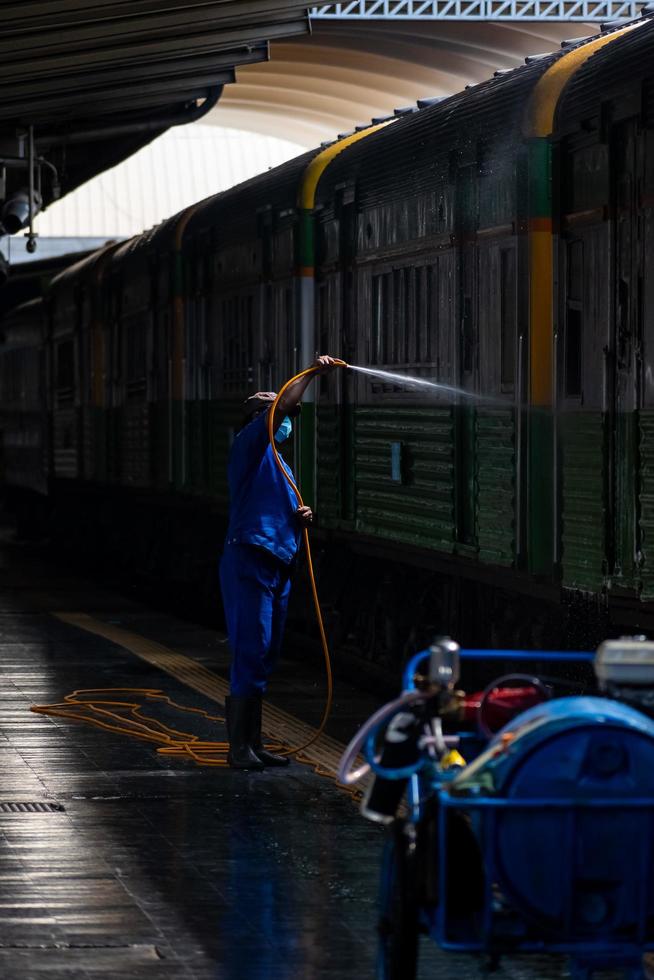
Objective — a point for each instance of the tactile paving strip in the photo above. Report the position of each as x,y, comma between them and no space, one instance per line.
37,807
324,754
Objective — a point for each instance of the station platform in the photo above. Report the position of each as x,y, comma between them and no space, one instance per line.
116,860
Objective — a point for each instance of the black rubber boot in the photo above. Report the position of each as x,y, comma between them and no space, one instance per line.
240,714
267,758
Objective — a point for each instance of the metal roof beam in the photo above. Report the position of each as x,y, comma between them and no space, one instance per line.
112,99
113,72
147,51
588,11
169,99
81,34
168,71
39,15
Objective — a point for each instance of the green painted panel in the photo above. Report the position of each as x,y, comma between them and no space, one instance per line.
419,509
540,178
496,485
465,471
626,573
541,492
583,505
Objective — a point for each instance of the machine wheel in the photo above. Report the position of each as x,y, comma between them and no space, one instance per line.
398,925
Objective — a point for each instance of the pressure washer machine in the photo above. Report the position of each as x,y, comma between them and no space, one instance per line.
532,831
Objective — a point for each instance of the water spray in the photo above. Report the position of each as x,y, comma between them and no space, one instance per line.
435,386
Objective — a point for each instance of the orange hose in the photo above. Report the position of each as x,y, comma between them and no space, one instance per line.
312,578
98,707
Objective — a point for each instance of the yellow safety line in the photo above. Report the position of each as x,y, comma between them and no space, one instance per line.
323,754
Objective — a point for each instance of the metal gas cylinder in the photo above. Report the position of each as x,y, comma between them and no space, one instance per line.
564,803
625,671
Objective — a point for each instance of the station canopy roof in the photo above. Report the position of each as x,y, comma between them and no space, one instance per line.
97,79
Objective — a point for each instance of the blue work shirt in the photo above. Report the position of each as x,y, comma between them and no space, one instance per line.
262,504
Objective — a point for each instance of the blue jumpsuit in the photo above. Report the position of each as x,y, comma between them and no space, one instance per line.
262,540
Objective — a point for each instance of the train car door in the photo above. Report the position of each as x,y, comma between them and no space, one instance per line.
624,385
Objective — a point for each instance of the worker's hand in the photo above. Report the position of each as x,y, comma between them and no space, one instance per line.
325,363
304,516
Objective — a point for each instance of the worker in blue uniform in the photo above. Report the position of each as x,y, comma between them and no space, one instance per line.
263,537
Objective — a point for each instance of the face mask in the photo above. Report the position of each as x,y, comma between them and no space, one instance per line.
284,431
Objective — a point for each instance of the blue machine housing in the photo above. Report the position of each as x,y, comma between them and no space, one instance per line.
541,843
561,804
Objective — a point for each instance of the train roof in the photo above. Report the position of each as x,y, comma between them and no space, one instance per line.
84,267
419,139
492,111
484,119
609,73
22,326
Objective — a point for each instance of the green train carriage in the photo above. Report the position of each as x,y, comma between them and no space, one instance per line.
496,241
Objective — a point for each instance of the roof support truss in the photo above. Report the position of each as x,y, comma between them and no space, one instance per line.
484,10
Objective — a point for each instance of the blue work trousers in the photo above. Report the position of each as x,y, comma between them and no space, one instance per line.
255,587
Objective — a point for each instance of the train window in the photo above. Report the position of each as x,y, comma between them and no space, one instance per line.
135,348
375,332
163,280
574,320
418,310
238,342
397,337
431,313
289,327
65,372
586,177
409,322
508,314
379,308
425,295
410,338
573,353
404,316
323,331
575,270
10,378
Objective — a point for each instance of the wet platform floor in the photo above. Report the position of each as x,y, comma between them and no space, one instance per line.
150,867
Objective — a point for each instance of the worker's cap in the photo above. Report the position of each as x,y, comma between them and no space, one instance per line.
258,402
